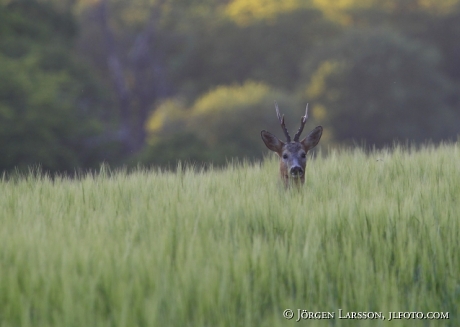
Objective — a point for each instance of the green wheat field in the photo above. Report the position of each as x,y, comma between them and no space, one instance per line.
368,233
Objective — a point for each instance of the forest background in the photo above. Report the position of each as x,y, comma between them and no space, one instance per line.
151,82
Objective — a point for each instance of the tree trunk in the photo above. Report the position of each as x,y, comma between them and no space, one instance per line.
145,67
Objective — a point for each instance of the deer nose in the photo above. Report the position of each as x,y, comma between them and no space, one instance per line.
296,171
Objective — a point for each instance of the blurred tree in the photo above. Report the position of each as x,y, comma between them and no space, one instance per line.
348,12
153,49
246,12
376,85
131,50
235,115
432,22
444,33
224,52
222,124
49,101
137,81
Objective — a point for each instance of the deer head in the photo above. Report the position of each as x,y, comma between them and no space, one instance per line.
292,154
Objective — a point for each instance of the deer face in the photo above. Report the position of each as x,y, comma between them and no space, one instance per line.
293,155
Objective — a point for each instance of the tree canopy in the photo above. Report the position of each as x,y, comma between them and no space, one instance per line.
377,86
49,100
153,81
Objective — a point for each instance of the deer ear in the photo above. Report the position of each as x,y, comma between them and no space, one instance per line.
272,142
312,139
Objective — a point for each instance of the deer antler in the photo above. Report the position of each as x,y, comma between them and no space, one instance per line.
283,126
303,120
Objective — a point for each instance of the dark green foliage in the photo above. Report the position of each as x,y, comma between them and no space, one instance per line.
221,52
382,87
435,30
49,100
393,73
225,123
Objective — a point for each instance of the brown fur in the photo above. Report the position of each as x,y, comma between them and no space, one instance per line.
293,155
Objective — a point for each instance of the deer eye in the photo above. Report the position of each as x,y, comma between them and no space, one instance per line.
303,155
285,156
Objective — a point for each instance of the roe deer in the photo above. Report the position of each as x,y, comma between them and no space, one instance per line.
292,154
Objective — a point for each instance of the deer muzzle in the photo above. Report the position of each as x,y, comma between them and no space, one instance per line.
296,172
